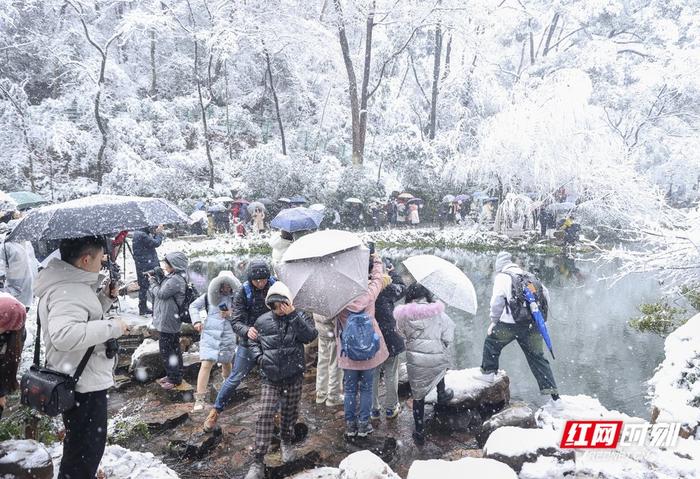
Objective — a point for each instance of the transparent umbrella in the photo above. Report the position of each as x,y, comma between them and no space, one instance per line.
444,280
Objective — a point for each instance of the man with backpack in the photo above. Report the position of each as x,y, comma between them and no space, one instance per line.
169,295
361,348
511,320
248,306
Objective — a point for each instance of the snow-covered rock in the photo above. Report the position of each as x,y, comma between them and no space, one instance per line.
675,387
634,462
118,462
365,465
472,393
516,414
25,459
146,363
462,468
515,446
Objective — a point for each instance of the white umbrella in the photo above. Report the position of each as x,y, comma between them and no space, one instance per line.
321,243
325,285
354,200
198,216
317,207
222,199
444,280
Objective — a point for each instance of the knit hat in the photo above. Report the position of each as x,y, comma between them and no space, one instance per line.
258,269
12,313
503,259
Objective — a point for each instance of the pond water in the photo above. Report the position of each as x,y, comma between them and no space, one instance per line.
597,353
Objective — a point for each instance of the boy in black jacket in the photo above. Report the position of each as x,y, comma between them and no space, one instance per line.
279,351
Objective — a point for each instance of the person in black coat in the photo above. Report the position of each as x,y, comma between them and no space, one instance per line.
248,305
146,258
394,289
279,351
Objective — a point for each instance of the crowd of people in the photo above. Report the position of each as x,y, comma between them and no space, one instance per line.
247,326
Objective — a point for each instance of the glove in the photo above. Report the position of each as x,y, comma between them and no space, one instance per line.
490,330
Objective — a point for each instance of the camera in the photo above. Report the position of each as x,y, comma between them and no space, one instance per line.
372,249
156,272
111,348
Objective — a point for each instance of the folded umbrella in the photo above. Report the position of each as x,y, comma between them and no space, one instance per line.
95,215
297,219
325,285
444,280
538,318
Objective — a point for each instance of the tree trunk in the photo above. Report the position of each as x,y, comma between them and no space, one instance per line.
365,81
532,45
358,105
103,132
552,28
228,120
203,110
153,92
436,81
277,105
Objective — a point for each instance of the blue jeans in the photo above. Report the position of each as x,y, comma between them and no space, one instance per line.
242,365
352,381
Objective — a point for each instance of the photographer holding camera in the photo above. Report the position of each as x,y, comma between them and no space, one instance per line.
70,311
167,293
146,259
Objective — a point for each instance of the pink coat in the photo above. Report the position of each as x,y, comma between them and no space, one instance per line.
365,302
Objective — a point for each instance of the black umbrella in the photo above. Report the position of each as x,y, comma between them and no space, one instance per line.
95,216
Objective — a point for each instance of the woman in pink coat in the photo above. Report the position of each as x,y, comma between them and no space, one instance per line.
358,375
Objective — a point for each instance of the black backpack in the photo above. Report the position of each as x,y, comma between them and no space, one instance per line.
183,309
518,306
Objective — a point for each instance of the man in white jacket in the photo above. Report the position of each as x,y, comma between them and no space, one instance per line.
504,329
70,311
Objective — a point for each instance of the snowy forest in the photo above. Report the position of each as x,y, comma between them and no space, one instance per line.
336,98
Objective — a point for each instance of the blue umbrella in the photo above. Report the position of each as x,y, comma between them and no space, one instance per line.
297,219
538,318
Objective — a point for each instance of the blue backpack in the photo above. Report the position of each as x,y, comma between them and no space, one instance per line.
358,340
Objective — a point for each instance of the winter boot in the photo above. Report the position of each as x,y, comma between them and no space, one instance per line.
210,422
555,397
256,471
419,437
199,402
364,429
350,429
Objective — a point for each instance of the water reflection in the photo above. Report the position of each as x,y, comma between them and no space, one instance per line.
597,353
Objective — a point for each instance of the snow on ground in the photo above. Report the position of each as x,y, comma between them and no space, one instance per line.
319,473
120,463
147,347
515,441
365,465
675,387
633,462
462,468
26,453
462,382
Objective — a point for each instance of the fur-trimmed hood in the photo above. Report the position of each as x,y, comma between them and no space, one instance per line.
224,277
413,311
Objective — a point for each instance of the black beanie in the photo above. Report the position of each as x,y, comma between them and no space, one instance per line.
258,269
